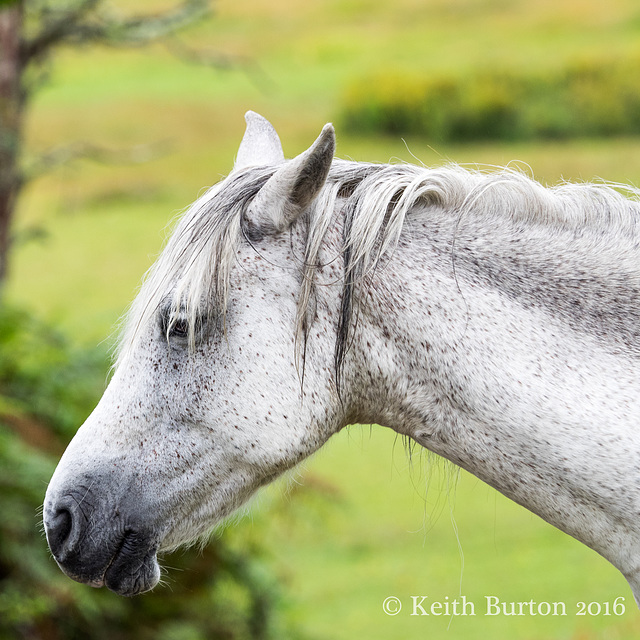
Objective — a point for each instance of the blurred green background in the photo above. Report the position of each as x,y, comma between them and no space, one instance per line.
552,86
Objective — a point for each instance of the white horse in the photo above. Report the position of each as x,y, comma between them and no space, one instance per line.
492,320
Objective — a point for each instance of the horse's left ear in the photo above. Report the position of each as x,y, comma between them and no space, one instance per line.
292,187
260,145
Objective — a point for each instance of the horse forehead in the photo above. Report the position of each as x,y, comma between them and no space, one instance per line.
273,256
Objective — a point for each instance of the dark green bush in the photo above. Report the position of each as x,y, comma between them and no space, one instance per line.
47,389
585,98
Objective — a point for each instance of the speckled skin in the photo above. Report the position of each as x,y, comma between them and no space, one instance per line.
506,346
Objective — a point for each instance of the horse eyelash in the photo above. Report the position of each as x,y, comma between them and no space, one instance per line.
169,320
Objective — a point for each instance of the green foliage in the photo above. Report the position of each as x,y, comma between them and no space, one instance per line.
47,388
584,99
42,378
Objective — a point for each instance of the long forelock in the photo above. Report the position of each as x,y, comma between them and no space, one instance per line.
191,277
192,273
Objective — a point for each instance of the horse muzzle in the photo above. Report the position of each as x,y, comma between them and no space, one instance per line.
100,547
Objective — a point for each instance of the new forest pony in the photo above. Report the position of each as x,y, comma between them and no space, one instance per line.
491,320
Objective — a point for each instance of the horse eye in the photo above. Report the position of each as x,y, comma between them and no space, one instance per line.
179,329
179,325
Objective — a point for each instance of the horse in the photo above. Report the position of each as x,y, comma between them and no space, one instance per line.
483,316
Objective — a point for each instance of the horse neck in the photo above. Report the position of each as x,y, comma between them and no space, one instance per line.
487,371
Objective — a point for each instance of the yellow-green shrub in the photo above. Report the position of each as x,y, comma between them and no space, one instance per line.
585,98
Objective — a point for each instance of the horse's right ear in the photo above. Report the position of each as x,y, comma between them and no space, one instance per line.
292,188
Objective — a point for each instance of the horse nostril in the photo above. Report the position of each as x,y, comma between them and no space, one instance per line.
58,530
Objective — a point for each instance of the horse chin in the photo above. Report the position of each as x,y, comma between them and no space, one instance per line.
133,569
130,576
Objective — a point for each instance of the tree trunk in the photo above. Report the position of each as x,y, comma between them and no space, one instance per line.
11,105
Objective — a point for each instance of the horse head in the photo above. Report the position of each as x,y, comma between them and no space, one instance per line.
206,402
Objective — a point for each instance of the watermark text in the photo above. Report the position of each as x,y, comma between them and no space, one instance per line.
490,605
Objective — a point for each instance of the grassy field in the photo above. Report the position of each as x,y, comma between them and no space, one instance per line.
360,522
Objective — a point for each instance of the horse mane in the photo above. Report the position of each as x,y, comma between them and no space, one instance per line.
192,273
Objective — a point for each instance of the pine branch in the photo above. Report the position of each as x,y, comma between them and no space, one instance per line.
223,62
56,25
89,23
66,154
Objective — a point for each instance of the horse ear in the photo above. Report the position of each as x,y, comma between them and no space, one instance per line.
293,187
260,144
